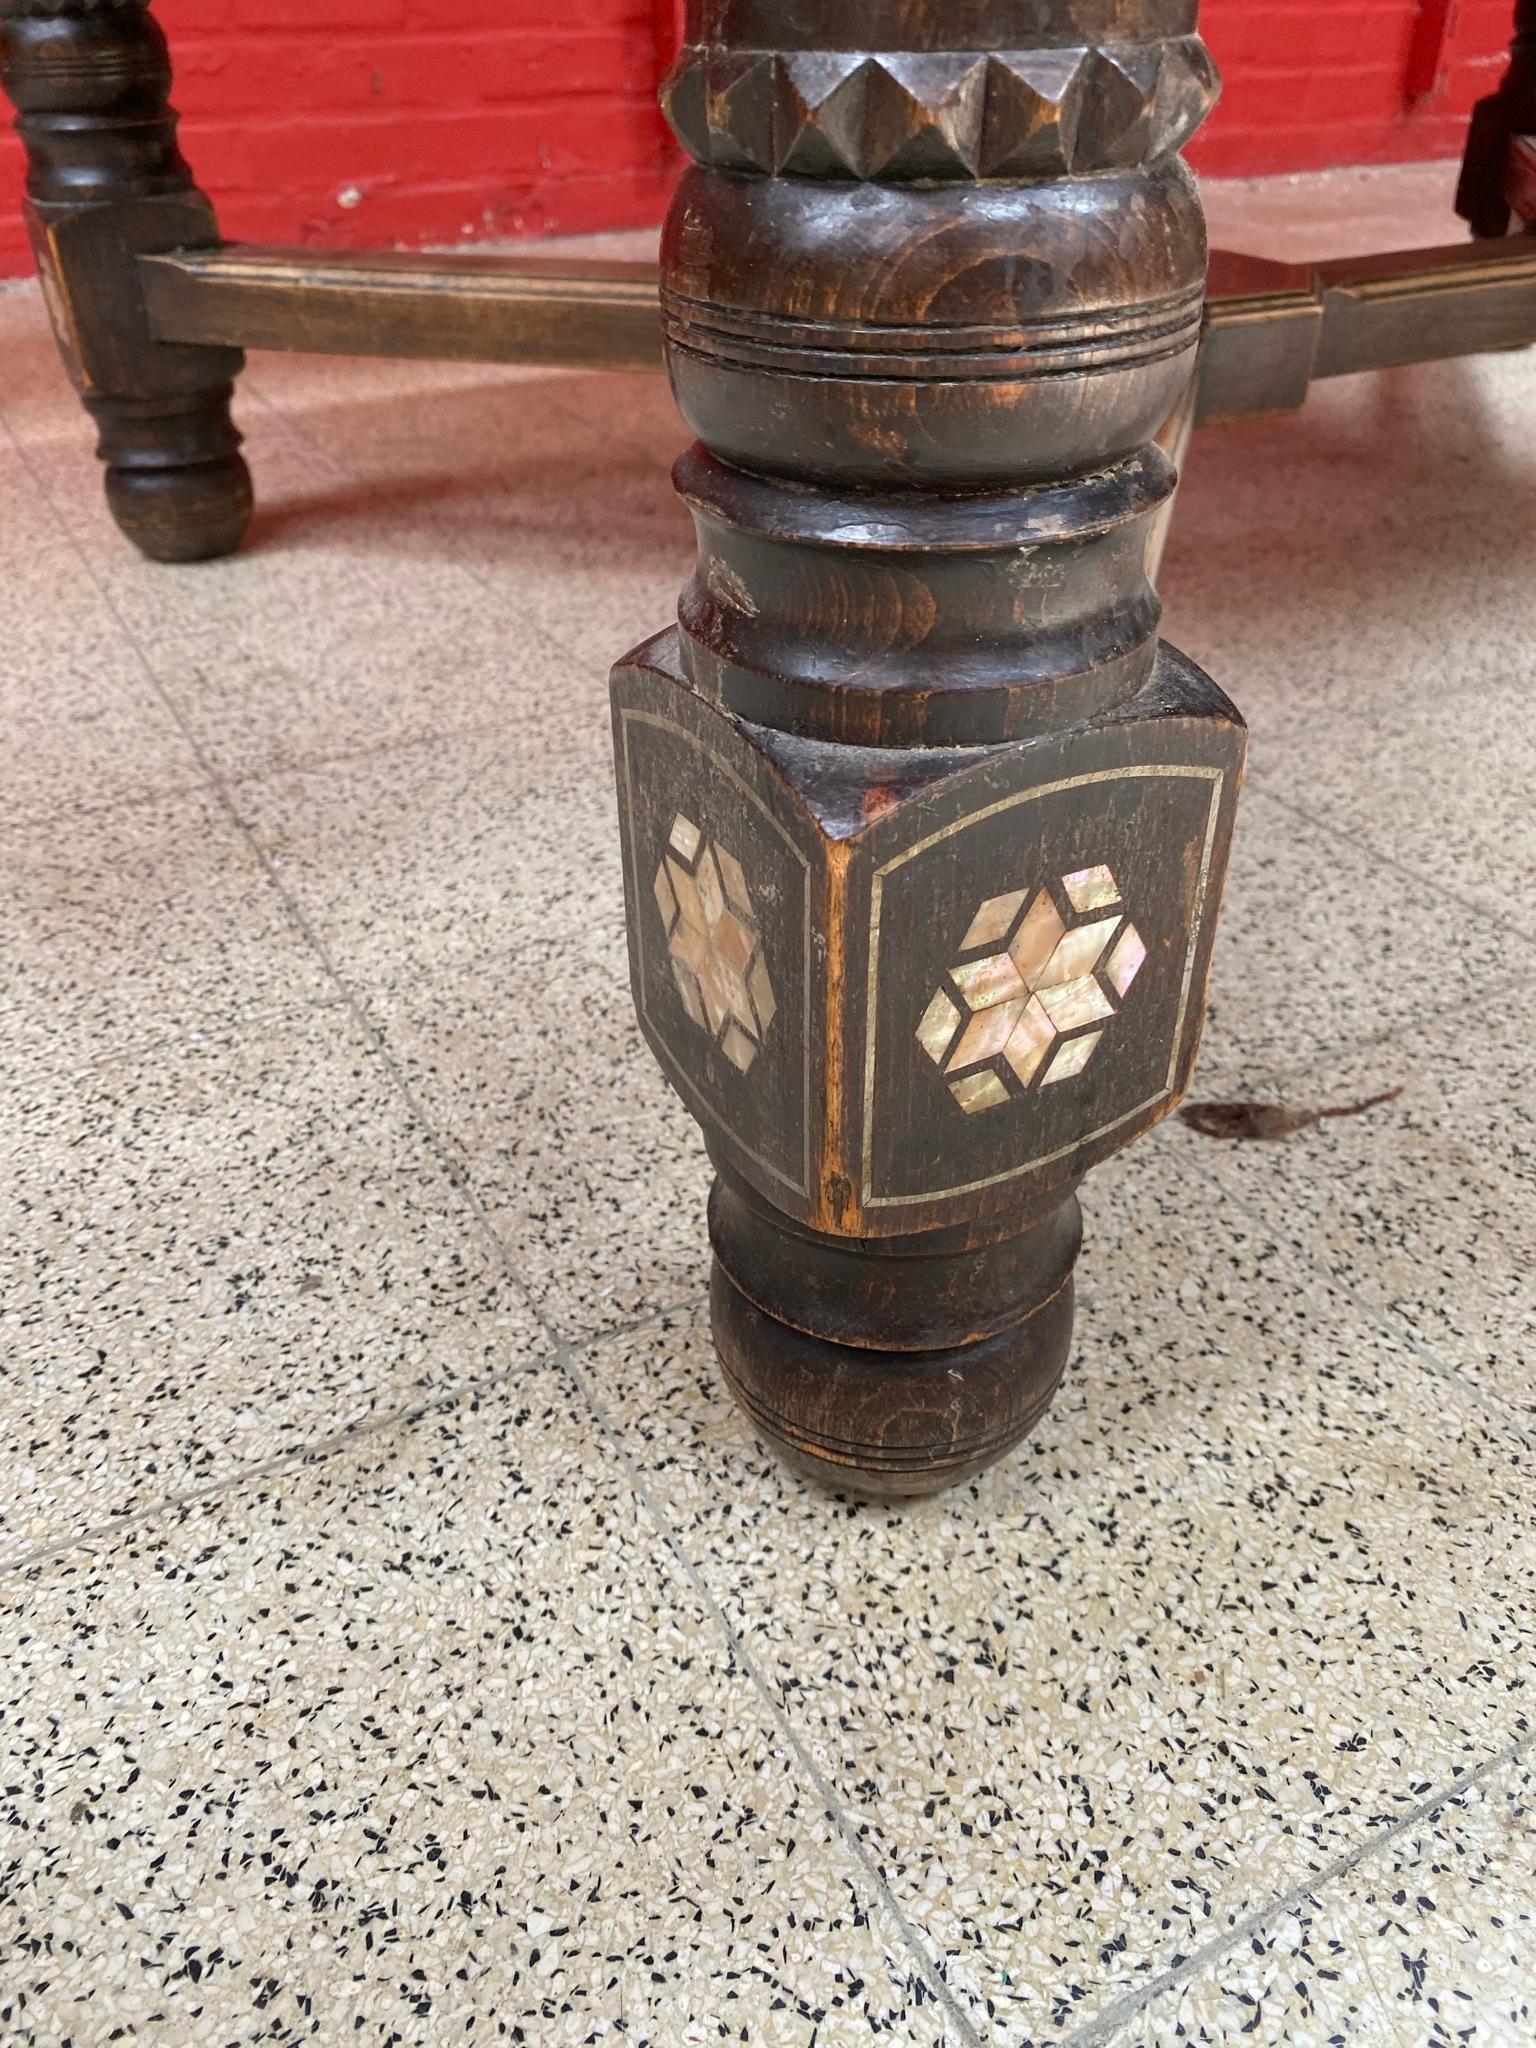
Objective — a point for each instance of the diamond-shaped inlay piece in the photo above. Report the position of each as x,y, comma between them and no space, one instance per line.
1035,941
713,942
936,1032
1126,961
1032,1012
1091,889
685,837
1074,1056
978,1091
994,921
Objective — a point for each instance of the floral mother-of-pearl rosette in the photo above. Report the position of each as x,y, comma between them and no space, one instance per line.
1029,1002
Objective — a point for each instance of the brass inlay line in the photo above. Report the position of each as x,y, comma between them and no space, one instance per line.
1217,778
686,1081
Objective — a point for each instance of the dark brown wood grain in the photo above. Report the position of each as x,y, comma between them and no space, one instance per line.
1483,198
469,308
971,123
90,81
924,830
1271,329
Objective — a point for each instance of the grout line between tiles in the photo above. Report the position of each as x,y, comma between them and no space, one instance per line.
1116,2016
268,867
927,1963
320,453
1488,912
1390,1321
1278,1079
345,757
253,1018
18,822
249,778
565,1355
931,1972
317,1449
832,1806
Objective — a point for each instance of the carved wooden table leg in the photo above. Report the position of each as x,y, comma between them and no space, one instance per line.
1481,198
107,183
925,832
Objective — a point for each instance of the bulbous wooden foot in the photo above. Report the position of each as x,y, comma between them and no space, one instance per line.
188,514
176,482
106,183
897,1370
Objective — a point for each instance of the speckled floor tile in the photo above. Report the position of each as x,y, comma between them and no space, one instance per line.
1426,1944
487,851
218,1252
598,594
38,402
121,928
425,1737
1444,790
83,726
335,631
1347,565
535,445
1323,948
1337,575
558,503
1426,1206
428,1732
589,1168
1261,1583
1313,215
472,890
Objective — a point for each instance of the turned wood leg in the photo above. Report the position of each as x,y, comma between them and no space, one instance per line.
1481,197
925,832
106,183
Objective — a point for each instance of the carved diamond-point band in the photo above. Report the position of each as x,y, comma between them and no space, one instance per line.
948,115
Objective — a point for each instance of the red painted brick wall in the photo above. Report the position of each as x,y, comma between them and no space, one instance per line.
1312,83
371,122
383,121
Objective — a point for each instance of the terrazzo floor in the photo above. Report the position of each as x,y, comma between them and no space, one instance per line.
403,1637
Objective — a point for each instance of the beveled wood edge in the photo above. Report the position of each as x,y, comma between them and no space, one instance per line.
1271,328
1269,338
464,308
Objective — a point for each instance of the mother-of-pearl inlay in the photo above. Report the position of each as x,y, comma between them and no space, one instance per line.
1032,1009
713,942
